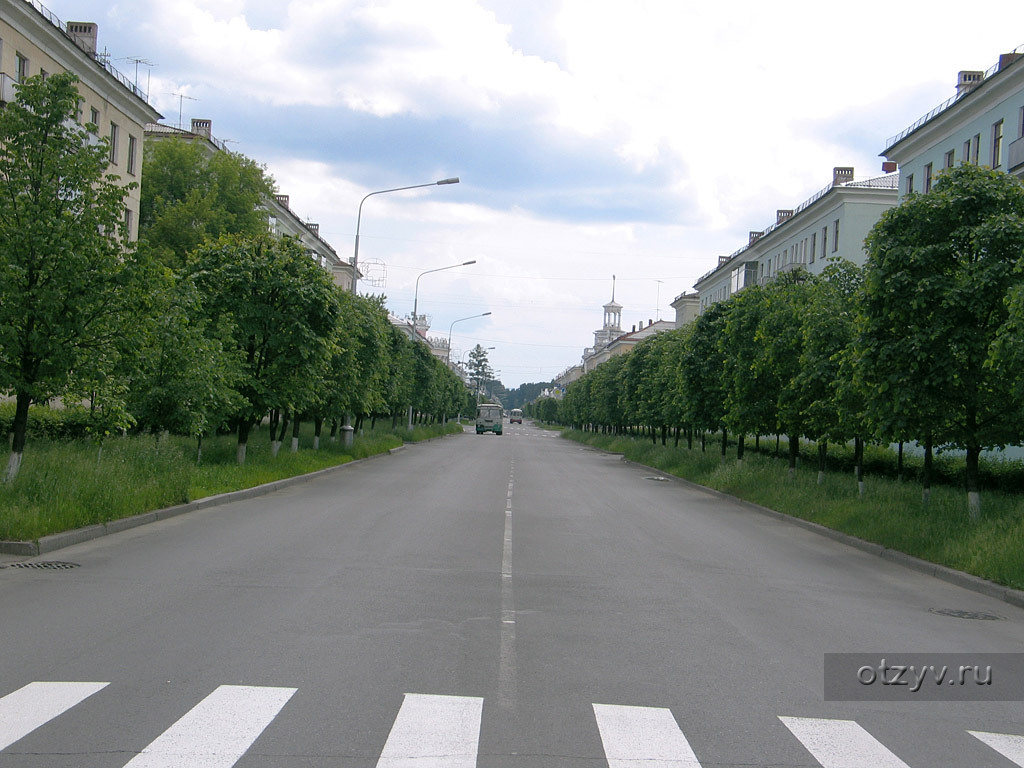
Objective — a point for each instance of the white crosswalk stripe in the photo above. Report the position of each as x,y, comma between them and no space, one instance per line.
841,744
217,731
1009,746
434,732
646,737
431,731
24,710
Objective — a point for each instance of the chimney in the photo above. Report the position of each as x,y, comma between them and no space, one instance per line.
314,228
889,166
754,237
634,328
722,260
282,199
782,214
202,128
1006,59
967,79
649,322
841,175
84,33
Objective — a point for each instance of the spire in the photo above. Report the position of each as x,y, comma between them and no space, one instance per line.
613,287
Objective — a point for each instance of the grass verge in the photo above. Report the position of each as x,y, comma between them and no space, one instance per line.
890,512
68,485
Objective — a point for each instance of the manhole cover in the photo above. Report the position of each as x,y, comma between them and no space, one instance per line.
956,613
656,479
54,565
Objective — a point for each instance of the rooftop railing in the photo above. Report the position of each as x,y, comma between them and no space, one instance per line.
894,140
100,59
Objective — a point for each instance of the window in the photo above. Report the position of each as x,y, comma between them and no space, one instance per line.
44,74
129,219
997,144
824,241
975,148
94,117
814,245
132,149
948,162
1020,122
835,235
966,157
113,143
928,178
20,68
910,184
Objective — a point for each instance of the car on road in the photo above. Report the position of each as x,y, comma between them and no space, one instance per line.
489,418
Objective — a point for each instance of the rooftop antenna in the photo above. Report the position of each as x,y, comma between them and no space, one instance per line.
139,60
657,306
182,96
613,287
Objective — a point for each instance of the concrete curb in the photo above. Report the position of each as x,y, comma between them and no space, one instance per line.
961,579
66,538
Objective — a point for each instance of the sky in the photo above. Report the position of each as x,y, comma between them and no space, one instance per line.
593,138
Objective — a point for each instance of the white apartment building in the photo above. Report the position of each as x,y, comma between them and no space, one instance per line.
832,224
982,123
281,220
34,41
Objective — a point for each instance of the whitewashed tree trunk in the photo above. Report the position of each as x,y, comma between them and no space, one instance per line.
240,454
316,442
295,445
274,448
13,465
974,504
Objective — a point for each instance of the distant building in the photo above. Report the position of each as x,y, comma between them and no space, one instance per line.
832,224
33,41
687,307
281,220
982,123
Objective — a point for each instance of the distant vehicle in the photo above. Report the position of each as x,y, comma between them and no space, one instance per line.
489,418
516,417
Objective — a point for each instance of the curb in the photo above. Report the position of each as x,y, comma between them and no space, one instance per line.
961,579
57,541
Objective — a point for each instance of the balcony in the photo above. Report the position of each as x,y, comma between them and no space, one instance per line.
1015,156
7,92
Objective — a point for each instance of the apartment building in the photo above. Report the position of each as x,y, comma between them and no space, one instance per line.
281,219
831,224
33,41
982,123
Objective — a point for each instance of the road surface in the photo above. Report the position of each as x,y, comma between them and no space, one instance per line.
509,601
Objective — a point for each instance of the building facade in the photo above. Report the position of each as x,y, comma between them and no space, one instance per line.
982,123
832,224
33,41
281,220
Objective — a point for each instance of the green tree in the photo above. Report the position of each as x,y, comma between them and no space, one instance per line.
939,270
71,286
192,194
701,370
479,368
282,310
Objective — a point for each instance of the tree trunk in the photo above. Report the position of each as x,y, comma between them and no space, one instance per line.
822,455
858,458
926,478
243,439
725,441
703,441
778,443
664,434
275,418
20,430
899,463
318,425
794,452
199,449
973,495
295,434
334,430
739,448
689,436
276,445
677,438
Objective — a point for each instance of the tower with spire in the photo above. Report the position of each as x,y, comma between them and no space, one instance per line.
612,321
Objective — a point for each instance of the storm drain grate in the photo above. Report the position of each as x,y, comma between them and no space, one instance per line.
53,565
956,613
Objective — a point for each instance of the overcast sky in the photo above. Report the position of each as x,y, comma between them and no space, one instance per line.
592,137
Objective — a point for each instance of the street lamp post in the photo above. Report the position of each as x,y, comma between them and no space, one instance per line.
346,429
415,307
359,218
416,294
448,358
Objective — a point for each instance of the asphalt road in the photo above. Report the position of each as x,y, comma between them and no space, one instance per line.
482,601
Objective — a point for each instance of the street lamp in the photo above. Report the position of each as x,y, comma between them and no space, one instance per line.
449,356
416,294
359,218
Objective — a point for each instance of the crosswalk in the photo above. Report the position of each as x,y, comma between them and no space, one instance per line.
433,731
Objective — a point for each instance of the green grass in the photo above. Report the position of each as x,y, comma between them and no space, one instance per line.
890,512
68,485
